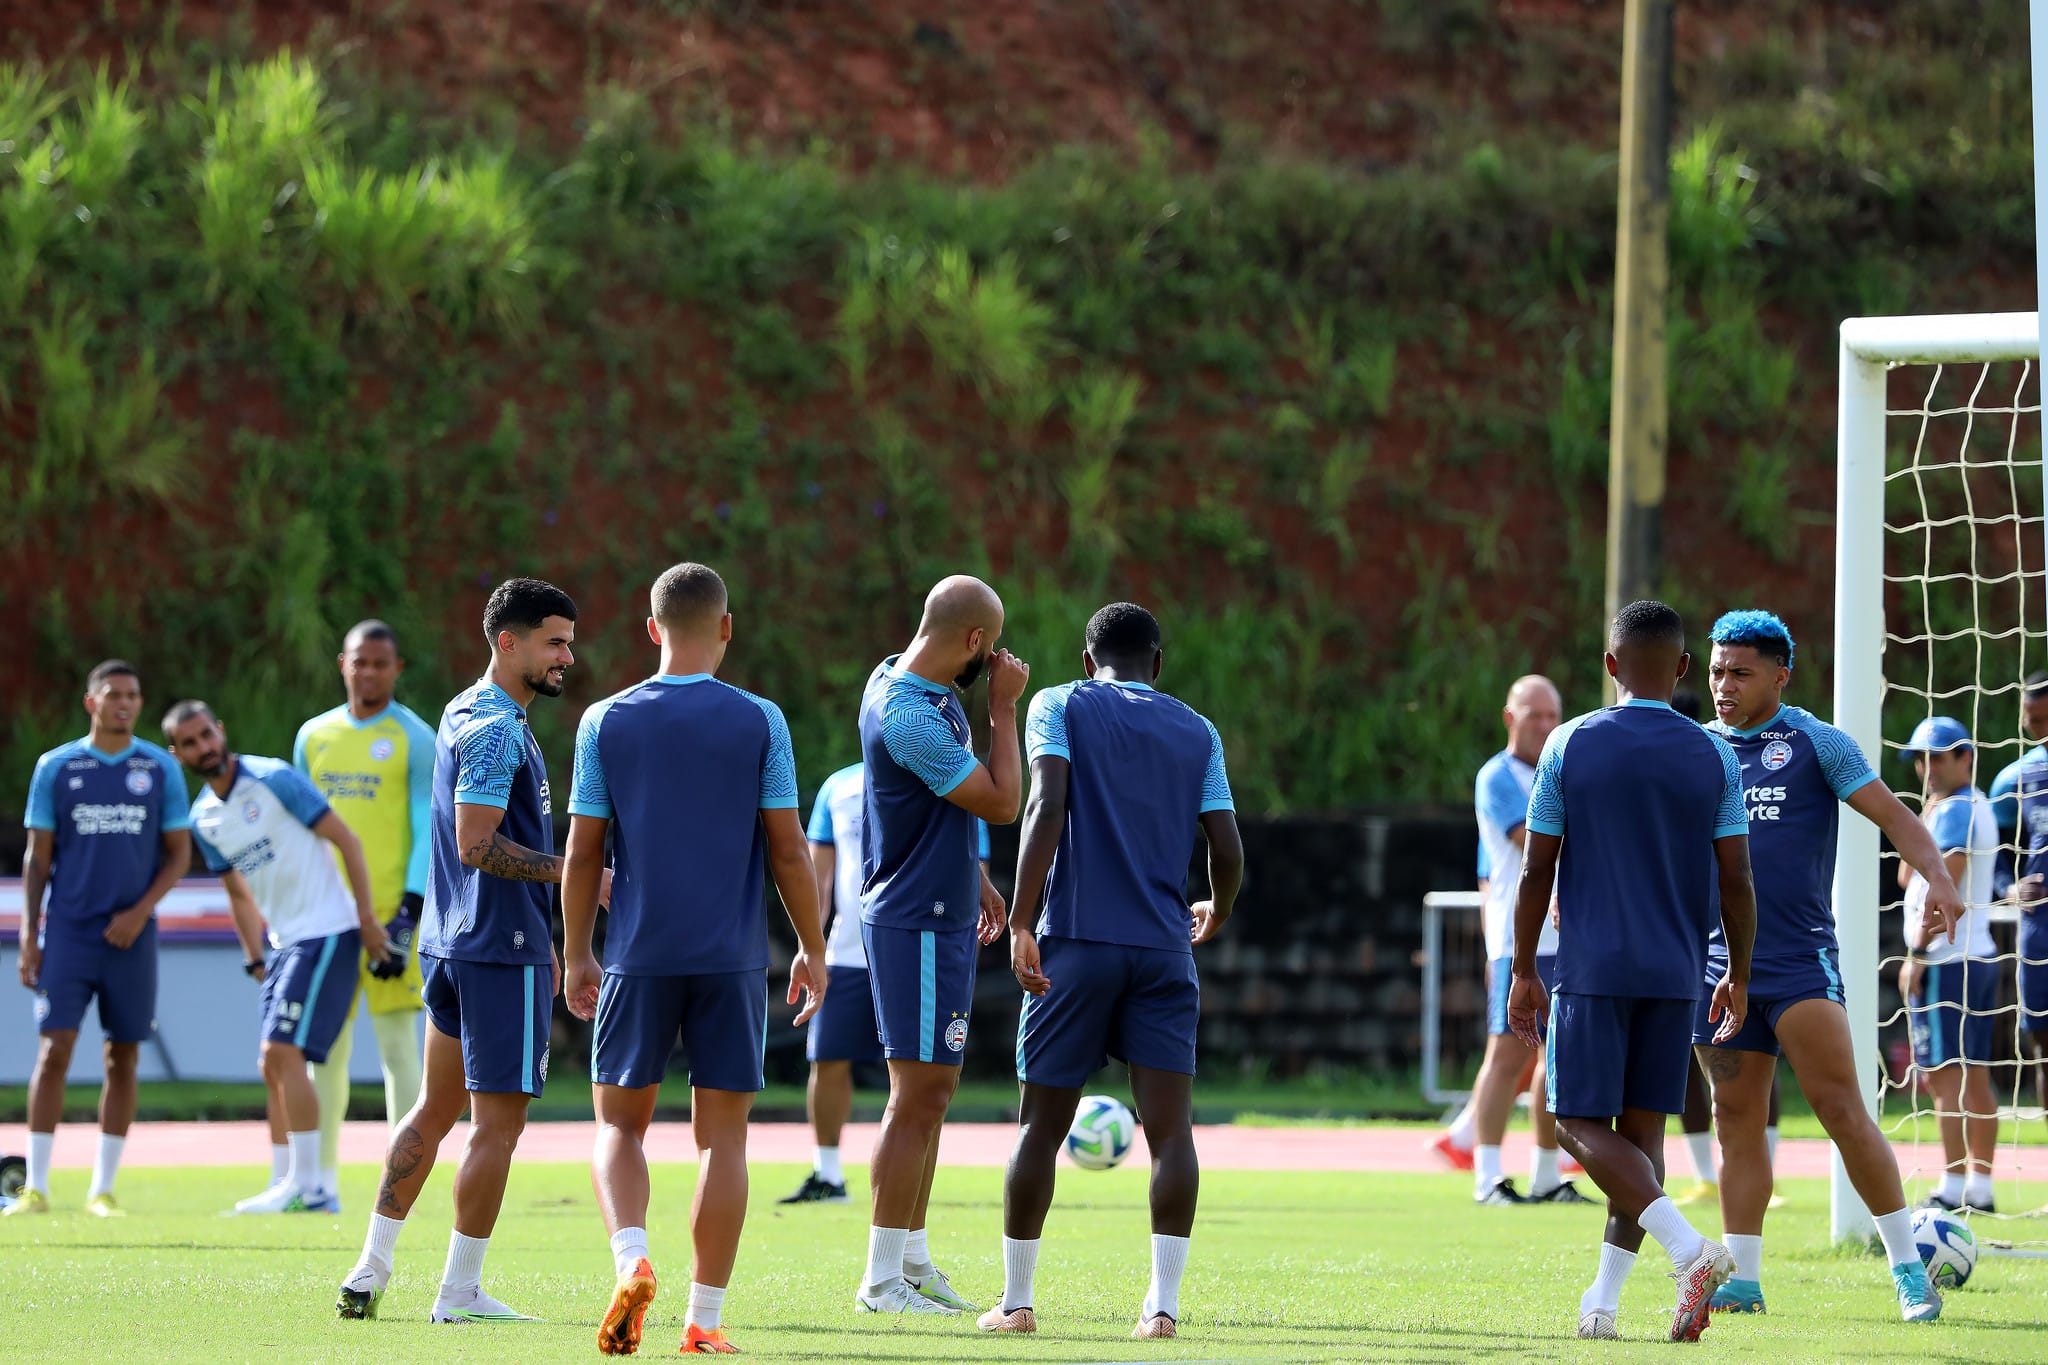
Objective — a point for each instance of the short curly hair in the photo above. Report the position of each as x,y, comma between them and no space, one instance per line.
1760,630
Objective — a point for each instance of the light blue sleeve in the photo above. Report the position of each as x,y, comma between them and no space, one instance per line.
1546,797
778,765
419,794
299,749
820,830
1045,725
1731,817
1500,799
919,739
1216,778
981,839
296,791
1841,759
208,854
2005,797
589,793
1951,825
1485,862
488,752
42,793
177,801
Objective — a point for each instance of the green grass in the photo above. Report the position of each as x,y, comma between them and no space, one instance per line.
1297,1266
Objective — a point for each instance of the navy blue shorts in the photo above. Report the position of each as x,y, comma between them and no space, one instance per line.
923,987
76,969
1942,1032
309,990
2033,944
843,1029
721,1018
1775,985
1139,1005
501,1011
1607,1053
1501,979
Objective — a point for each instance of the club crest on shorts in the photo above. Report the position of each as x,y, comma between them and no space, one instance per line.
956,1035
518,938
1777,754
544,1064
382,749
140,782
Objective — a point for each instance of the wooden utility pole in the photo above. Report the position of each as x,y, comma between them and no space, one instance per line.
1637,422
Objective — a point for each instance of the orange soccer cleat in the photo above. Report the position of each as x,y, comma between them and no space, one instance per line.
619,1333
698,1342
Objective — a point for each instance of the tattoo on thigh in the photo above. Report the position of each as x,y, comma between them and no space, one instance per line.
1722,1064
408,1150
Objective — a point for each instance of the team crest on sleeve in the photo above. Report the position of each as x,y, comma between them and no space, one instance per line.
956,1035
382,749
1777,754
140,782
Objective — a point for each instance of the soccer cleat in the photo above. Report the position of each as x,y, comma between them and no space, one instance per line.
358,1303
899,1297
939,1289
619,1333
479,1307
326,1201
1500,1194
1158,1327
1706,1272
1597,1326
816,1190
28,1201
1918,1302
1699,1192
1459,1158
1738,1296
102,1205
1986,1205
281,1199
999,1319
1935,1201
1563,1193
698,1342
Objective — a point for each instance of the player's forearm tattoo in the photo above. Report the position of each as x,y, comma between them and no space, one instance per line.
408,1150
501,857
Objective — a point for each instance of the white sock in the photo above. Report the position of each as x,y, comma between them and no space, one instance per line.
628,1246
1952,1186
826,1164
1748,1252
1680,1240
107,1161
1771,1142
1169,1259
330,1179
1604,1295
305,1160
1976,1189
1896,1230
1020,1265
1701,1145
917,1257
39,1145
1485,1168
280,1161
464,1273
1543,1177
378,1248
706,1303
885,1258
1463,1129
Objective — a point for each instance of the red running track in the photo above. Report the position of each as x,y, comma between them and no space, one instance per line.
1222,1146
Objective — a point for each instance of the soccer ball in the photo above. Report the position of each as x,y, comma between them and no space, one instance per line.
1102,1133
1946,1247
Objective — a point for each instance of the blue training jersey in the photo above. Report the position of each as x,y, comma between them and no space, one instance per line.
835,821
107,815
682,766
1796,771
1144,766
2033,856
485,755
263,829
1500,802
1639,794
918,864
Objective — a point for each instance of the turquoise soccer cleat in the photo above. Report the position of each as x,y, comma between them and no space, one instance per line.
1917,1300
1738,1296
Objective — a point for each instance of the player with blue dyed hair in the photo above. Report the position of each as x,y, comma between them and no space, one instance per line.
1797,772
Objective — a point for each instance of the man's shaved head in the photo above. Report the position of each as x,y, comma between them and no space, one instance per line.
1530,686
965,615
688,599
1534,708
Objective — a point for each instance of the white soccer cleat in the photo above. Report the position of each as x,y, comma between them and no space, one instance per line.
1597,1326
1708,1270
939,1289
899,1297
478,1307
281,1198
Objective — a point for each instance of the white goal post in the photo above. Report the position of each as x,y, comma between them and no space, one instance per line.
1870,348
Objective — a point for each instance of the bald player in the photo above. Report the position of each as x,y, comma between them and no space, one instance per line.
922,896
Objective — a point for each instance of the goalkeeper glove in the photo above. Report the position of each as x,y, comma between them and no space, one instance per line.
400,930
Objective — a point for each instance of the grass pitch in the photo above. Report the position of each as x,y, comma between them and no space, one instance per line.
1286,1266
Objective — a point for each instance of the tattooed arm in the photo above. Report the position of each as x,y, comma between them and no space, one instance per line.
486,849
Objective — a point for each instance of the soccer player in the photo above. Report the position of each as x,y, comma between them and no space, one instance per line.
1647,809
2005,788
107,837
687,941
921,898
843,1030
1951,986
2030,892
488,967
1797,773
273,840
373,758
1123,777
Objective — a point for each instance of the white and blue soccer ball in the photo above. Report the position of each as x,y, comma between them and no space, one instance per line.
1102,1134
1946,1247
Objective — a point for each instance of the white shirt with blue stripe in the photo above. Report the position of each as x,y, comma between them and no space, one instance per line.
263,829
1961,822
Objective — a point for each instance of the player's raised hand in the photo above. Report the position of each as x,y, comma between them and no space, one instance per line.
807,979
31,965
1007,675
1944,907
1528,1003
1731,1006
993,911
1024,962
1206,921
581,979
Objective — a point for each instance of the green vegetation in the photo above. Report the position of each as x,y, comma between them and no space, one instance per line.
280,349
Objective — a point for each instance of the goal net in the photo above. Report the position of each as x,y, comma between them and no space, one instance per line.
1941,610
